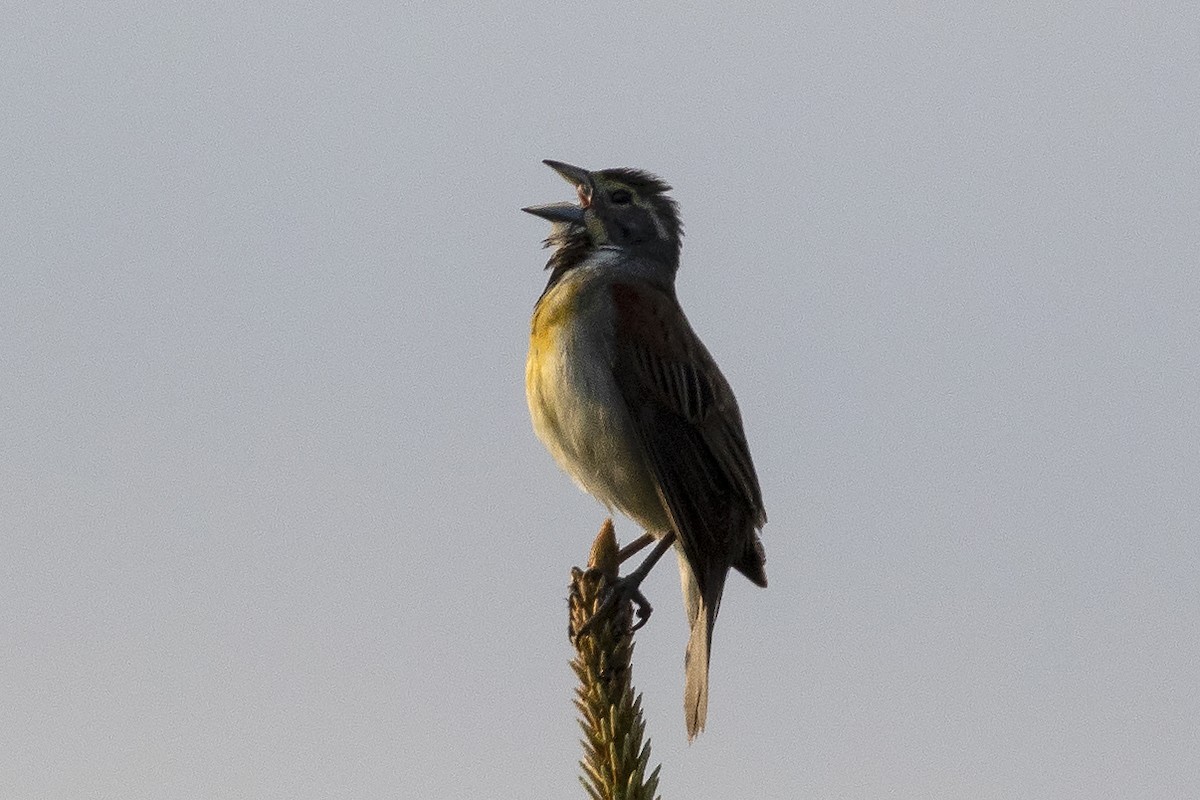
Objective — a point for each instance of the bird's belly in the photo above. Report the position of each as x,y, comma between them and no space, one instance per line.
579,414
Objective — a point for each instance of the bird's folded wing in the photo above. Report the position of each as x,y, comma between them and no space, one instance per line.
688,423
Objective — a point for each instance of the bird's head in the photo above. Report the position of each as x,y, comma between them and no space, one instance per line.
623,208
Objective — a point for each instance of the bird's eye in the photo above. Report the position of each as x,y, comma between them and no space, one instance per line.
620,197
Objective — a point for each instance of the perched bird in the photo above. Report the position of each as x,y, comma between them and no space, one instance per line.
630,403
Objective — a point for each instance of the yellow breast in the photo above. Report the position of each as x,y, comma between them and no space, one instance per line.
551,318
555,308
576,408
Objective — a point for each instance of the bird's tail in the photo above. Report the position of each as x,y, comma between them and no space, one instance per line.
702,612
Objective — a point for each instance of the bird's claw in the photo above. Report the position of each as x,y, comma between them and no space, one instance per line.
623,590
641,609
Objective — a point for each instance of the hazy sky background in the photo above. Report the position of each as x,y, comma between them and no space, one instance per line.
274,521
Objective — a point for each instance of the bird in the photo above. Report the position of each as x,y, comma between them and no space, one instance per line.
632,406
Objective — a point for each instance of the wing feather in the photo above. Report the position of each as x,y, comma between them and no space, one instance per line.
689,426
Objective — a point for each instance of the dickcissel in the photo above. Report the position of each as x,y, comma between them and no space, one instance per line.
630,403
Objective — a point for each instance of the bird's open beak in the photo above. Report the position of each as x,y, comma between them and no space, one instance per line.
576,176
566,212
557,212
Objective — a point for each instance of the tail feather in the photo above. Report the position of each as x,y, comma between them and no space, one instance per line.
703,613
695,688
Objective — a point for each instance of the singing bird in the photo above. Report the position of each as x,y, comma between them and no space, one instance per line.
629,402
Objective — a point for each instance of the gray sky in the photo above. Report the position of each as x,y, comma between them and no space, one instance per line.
274,521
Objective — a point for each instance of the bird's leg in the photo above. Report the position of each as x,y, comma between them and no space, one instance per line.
633,548
629,586
627,589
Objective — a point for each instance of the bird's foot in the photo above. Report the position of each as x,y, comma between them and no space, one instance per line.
622,591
